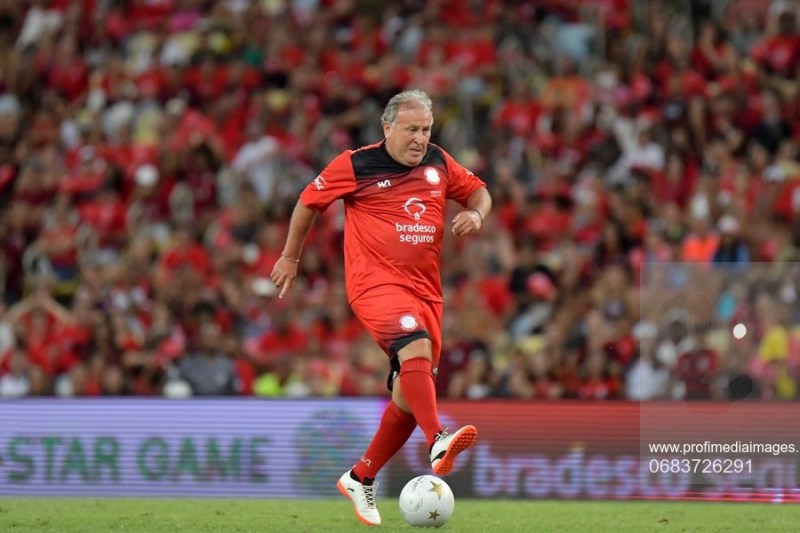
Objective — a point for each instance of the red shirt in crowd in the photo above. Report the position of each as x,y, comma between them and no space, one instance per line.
521,116
107,216
599,388
779,54
193,256
62,238
696,369
285,341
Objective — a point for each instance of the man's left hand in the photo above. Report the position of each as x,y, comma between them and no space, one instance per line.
467,222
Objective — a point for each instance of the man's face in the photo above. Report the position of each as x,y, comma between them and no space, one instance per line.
407,139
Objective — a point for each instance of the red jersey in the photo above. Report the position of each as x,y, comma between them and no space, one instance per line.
394,215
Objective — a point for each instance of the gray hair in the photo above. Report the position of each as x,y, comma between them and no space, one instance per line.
413,97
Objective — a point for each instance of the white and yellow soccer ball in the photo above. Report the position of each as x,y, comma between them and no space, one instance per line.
427,501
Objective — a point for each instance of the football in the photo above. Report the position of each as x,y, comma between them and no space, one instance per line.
427,501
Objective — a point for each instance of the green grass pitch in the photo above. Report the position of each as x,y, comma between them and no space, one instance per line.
332,516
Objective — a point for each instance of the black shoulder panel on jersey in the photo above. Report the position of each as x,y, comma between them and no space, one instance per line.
375,162
434,157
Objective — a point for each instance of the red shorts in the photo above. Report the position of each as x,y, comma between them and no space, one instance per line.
394,317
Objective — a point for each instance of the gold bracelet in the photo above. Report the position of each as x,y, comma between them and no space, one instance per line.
287,258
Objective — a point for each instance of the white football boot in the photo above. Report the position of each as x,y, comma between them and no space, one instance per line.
446,447
363,498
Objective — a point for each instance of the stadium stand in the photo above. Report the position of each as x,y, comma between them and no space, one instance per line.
644,163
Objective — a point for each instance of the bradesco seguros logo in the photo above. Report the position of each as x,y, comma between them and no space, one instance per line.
415,233
414,207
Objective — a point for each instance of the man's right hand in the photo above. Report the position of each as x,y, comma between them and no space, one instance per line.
284,273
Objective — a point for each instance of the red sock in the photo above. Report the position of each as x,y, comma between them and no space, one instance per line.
419,392
394,430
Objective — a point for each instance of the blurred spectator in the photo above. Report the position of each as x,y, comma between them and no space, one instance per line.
476,380
257,161
15,382
529,377
695,372
731,250
207,367
771,367
283,340
647,379
113,382
597,383
701,243
773,128
454,356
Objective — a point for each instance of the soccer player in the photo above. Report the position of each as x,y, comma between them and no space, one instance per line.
394,194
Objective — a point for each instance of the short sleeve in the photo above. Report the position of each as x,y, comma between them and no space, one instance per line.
461,183
335,181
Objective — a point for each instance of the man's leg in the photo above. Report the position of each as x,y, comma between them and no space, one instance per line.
419,392
419,389
395,428
392,315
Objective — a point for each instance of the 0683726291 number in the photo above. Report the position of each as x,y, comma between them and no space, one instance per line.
700,466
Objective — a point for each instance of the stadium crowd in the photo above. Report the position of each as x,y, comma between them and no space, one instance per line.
643,161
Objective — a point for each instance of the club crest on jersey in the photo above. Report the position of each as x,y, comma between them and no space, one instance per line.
432,176
319,182
414,207
408,322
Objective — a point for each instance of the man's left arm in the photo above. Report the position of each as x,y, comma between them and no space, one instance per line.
470,220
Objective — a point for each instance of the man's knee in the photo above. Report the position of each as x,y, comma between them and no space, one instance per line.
417,348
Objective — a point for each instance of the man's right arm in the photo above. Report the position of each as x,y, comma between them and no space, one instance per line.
302,219
284,272
334,182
